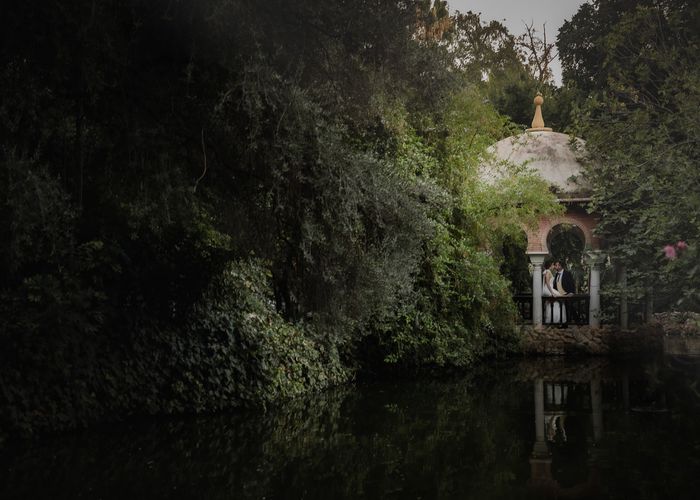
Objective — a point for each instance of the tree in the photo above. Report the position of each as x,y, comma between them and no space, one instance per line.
636,72
510,70
226,198
580,41
538,53
482,50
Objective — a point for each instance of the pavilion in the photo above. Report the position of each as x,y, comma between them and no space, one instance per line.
557,158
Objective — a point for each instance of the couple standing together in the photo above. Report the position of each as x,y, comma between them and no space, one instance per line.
556,282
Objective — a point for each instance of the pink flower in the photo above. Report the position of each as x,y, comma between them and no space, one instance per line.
681,245
670,252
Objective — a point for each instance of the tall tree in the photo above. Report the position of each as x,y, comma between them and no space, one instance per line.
539,53
636,72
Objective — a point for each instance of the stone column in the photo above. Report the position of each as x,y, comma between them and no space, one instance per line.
540,448
595,259
540,459
537,259
624,315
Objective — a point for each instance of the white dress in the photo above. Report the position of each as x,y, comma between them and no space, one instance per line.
552,310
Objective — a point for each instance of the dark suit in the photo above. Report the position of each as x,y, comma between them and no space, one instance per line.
567,282
569,286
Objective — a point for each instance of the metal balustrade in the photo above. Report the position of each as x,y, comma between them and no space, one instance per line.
575,305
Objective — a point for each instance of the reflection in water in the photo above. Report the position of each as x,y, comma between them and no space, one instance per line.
550,414
600,431
575,456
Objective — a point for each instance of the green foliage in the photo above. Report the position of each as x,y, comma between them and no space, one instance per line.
488,211
37,218
240,349
50,282
494,60
634,67
515,263
461,308
208,204
483,50
234,349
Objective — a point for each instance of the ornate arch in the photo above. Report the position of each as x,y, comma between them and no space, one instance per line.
537,236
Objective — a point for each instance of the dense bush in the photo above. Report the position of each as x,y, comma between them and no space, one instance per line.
232,350
215,203
461,313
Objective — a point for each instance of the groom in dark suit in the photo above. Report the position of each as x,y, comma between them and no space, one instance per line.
564,283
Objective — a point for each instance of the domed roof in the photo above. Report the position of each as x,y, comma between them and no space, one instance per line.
554,156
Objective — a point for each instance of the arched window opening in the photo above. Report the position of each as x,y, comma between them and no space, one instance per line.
566,242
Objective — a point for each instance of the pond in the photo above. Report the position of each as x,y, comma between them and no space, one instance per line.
541,428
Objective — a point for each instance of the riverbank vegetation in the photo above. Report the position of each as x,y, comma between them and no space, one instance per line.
211,204
218,203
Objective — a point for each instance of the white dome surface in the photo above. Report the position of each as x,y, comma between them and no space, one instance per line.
554,156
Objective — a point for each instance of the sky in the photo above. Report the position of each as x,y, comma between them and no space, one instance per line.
514,13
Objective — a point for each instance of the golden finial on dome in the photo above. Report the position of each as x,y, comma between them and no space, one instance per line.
538,121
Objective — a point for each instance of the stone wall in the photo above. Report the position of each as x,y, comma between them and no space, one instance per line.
682,332
584,340
682,346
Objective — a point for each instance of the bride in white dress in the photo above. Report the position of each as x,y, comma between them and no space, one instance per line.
552,309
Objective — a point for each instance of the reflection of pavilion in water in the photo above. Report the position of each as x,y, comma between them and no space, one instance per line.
572,397
554,402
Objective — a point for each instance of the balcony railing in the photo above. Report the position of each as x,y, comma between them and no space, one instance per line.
575,307
523,302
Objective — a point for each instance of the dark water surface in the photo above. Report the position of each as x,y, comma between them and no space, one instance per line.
533,429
